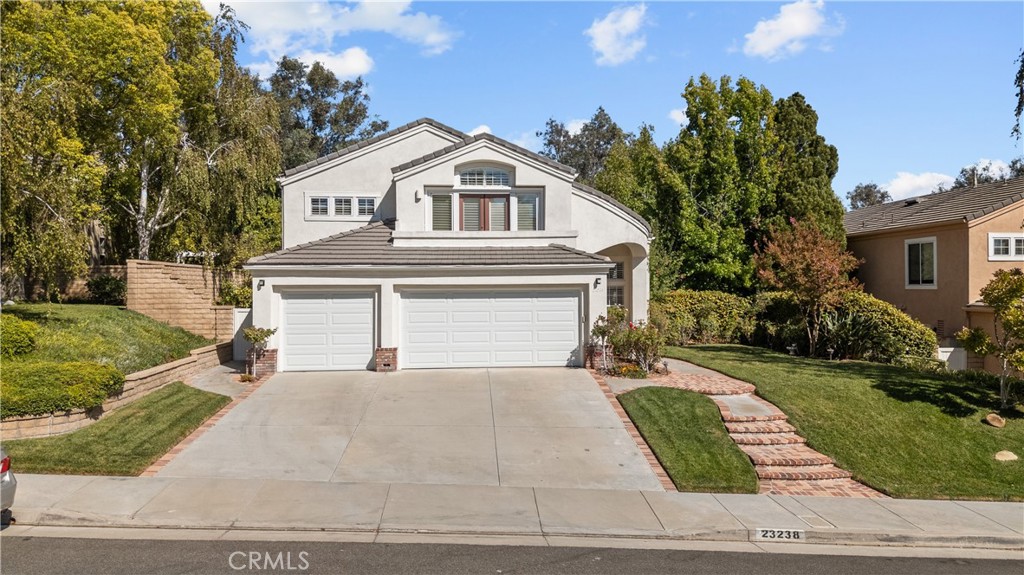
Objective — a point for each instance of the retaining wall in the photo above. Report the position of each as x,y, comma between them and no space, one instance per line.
180,295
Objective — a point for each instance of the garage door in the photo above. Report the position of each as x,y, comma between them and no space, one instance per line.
328,331
493,328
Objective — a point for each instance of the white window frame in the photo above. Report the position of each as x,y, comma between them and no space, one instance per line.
359,207
935,263
1014,255
509,175
332,197
513,207
617,282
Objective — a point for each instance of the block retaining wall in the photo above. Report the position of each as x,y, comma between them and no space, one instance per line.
180,295
136,385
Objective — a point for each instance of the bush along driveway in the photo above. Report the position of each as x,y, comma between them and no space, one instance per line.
905,433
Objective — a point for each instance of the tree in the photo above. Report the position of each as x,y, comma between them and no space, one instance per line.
1018,81
864,195
318,113
51,183
1005,295
807,165
813,267
587,149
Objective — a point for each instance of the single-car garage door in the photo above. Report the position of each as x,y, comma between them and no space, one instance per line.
490,329
328,331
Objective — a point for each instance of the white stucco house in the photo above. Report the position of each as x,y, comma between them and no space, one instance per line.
425,247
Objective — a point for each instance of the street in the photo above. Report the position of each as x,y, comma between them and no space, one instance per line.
43,555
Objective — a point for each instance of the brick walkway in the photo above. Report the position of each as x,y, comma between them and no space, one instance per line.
784,464
159,464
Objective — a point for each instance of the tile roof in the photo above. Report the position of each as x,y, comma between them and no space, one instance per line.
374,140
467,140
371,245
963,204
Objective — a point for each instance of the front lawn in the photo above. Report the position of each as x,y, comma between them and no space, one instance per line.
903,432
124,442
686,433
107,334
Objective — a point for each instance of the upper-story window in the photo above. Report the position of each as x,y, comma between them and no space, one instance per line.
1006,246
617,285
484,178
332,206
920,263
318,206
485,212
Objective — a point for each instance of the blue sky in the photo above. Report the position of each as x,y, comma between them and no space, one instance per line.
909,92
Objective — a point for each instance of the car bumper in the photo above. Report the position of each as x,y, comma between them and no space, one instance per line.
8,485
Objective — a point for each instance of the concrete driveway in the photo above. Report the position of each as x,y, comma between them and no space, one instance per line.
536,427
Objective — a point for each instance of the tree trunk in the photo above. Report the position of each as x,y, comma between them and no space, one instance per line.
1004,386
141,229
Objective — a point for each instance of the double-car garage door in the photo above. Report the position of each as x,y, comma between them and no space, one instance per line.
526,327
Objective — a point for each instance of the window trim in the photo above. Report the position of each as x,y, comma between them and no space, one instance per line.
512,203
509,175
935,263
332,198
1013,256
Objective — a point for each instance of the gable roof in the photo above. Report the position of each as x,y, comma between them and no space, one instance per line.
467,140
369,142
371,245
959,204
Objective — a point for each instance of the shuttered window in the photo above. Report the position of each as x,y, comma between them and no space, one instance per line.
484,177
343,206
526,212
441,212
318,206
498,212
484,213
471,211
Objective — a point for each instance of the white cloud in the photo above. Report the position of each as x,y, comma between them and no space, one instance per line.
295,28
481,129
528,140
997,168
789,31
678,115
617,37
574,126
907,185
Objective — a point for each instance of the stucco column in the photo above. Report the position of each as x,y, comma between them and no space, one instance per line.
641,287
389,315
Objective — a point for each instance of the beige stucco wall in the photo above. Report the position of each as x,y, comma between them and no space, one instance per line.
1009,220
883,274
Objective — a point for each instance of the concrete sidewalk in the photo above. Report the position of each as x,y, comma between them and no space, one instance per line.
276,505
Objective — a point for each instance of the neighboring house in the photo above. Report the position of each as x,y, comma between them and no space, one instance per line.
426,247
931,255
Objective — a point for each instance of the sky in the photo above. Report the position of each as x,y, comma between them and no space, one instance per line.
909,92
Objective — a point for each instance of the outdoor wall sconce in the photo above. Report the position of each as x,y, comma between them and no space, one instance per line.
418,195
260,284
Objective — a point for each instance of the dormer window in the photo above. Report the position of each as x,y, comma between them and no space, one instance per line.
484,178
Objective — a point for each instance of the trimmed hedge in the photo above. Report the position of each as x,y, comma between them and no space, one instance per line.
869,328
42,387
107,290
17,336
702,316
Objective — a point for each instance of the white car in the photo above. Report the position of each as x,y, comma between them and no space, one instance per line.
8,484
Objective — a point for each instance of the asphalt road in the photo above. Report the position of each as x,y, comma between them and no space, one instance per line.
28,555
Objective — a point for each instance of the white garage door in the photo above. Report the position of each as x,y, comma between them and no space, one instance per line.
492,328
328,331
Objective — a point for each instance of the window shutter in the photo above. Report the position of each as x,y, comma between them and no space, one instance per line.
441,212
526,211
471,214
498,214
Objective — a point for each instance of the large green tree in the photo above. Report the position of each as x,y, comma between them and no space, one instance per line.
318,113
585,149
864,195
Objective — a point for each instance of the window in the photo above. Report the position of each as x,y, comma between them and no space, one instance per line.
618,272
441,212
527,212
484,213
343,206
367,206
318,206
616,295
920,263
1006,246
484,177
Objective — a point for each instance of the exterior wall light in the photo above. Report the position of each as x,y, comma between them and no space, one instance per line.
260,284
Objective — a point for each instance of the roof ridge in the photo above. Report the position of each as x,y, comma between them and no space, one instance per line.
467,140
580,252
373,140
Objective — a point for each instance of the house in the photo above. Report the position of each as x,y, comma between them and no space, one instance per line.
931,255
425,247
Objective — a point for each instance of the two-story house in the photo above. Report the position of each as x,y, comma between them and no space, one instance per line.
931,255
425,247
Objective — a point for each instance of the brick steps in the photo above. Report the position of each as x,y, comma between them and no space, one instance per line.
801,472
759,427
770,438
784,455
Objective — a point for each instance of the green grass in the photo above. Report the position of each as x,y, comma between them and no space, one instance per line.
124,442
104,334
685,431
906,433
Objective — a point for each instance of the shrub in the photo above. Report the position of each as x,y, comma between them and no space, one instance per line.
237,295
38,388
17,336
877,331
777,321
631,372
638,342
702,316
107,290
